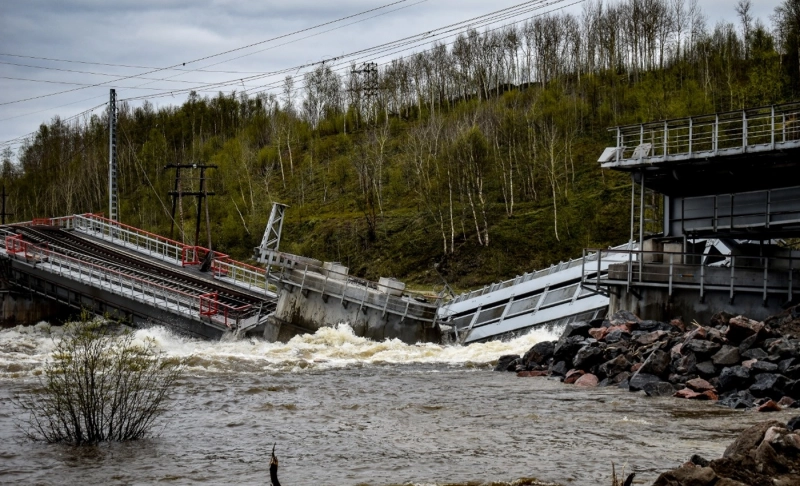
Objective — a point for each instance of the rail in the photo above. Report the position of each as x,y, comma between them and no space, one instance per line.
141,290
165,249
680,270
729,133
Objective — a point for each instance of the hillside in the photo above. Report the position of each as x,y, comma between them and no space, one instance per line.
478,156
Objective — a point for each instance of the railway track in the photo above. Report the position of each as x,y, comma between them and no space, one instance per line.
74,246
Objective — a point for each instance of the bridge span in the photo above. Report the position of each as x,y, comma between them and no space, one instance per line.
93,263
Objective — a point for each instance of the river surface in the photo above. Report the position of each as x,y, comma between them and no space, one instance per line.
347,411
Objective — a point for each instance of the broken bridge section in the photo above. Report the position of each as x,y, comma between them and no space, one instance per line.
93,263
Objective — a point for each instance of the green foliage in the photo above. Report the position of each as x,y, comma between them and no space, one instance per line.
98,387
481,157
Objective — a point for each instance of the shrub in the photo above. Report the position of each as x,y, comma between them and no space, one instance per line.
98,387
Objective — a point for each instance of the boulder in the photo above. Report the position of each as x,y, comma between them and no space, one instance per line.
615,366
769,406
657,363
649,337
699,385
741,328
587,380
651,326
579,328
754,353
638,381
701,347
792,372
763,367
726,356
786,402
623,317
598,333
619,378
784,365
686,393
617,335
706,369
539,353
658,389
750,439
587,356
784,348
720,319
566,347
559,369
734,378
748,343
573,375
794,423
687,476
685,364
738,400
507,362
769,385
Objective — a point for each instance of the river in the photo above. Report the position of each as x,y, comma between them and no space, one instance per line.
347,411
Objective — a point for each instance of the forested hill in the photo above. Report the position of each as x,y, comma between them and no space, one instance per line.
479,156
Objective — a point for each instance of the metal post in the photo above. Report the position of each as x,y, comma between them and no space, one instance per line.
744,131
702,280
733,268
112,156
715,137
690,137
641,225
619,144
766,277
597,277
772,122
670,273
666,134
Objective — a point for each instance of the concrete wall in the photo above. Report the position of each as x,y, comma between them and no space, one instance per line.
655,303
28,309
306,311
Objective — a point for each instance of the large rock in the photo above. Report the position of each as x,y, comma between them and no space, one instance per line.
559,369
566,347
624,318
651,326
738,400
688,476
741,328
763,367
706,369
658,389
769,385
588,380
734,378
699,385
638,381
726,356
701,347
587,356
539,353
615,366
507,362
754,353
657,363
684,364
750,439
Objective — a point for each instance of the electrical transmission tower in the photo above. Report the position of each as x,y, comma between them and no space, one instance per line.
369,87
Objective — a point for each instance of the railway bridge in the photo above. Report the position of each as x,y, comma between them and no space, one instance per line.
89,262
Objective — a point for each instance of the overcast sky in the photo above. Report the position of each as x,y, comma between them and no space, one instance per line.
155,34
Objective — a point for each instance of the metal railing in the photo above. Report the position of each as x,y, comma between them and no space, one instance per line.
728,133
558,267
138,289
680,270
171,251
309,274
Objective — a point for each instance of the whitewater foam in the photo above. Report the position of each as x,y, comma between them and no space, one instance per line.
329,347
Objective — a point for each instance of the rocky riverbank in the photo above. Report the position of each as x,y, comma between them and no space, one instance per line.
736,361
766,454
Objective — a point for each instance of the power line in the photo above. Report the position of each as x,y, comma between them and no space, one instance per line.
207,57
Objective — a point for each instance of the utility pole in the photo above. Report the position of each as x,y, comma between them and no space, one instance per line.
201,195
3,214
113,208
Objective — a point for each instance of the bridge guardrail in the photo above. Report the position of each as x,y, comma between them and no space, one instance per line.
139,289
730,273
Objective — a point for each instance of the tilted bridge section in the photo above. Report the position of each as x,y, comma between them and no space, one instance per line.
93,263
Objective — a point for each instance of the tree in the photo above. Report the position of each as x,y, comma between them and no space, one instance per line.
98,387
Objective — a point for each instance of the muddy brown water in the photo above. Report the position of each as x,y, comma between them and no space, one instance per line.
346,411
